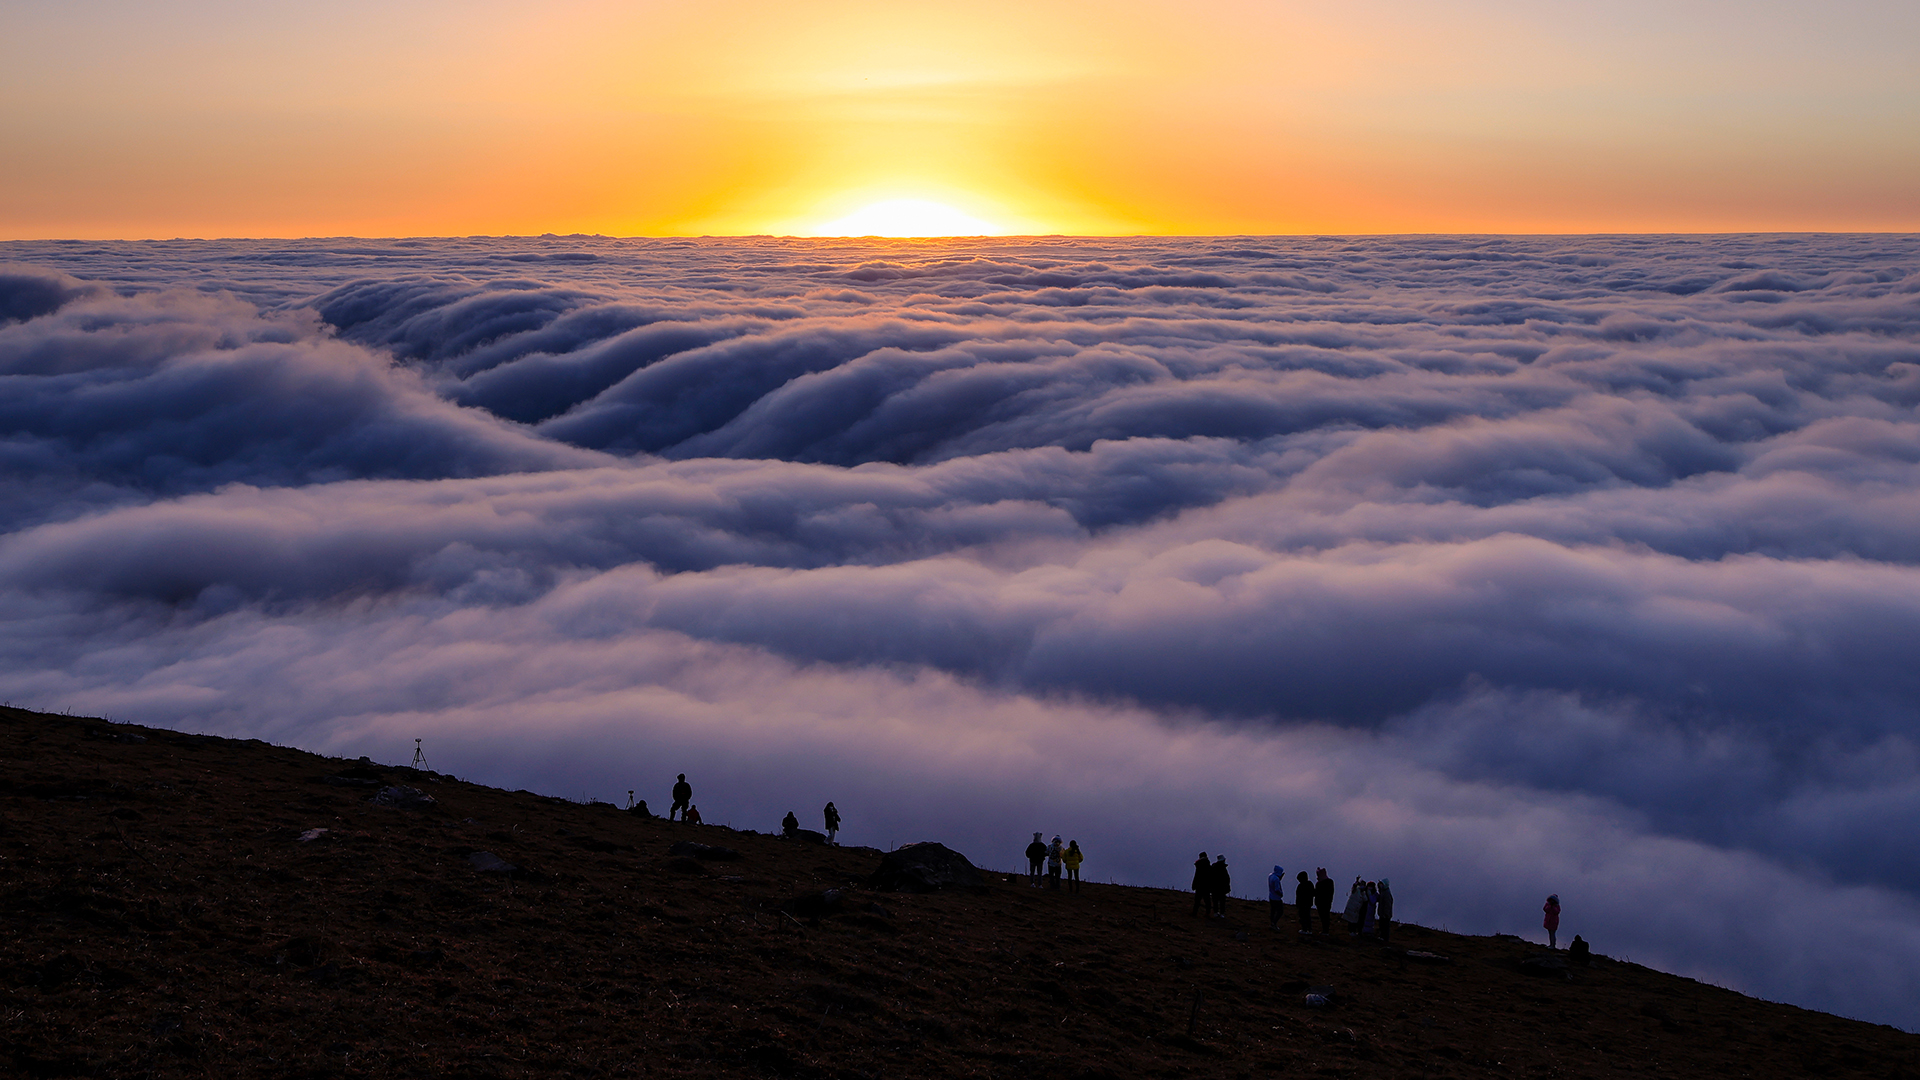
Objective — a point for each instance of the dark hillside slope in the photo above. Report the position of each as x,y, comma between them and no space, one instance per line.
163,916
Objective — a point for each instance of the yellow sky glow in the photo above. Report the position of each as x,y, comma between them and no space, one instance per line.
431,117
906,217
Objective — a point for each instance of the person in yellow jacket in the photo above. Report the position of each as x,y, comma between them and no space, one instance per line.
1072,859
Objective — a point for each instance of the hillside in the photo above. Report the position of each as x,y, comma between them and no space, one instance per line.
167,915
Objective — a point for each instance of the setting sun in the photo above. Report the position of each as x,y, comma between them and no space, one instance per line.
908,217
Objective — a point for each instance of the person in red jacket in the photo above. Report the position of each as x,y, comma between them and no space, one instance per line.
1552,921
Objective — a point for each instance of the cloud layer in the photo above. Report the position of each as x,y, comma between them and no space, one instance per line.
1498,567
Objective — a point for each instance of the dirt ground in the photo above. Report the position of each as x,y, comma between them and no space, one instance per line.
165,917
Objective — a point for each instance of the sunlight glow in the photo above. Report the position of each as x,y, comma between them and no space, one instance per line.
908,217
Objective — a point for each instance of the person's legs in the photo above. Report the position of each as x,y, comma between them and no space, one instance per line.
1551,942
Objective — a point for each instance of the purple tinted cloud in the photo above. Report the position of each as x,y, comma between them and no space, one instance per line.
1498,567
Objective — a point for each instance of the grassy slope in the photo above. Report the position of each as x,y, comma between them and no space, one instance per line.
163,918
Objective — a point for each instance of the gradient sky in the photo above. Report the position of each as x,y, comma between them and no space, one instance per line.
428,117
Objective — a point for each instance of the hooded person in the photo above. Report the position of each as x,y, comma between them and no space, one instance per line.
1055,851
1276,897
1222,882
1072,859
831,815
1202,883
789,825
1355,912
1303,902
1386,911
1551,909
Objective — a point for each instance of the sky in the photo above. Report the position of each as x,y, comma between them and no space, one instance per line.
1496,566
210,118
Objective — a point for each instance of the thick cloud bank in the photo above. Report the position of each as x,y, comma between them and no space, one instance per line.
1496,566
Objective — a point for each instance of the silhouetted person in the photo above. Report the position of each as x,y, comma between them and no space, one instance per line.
692,816
1355,912
1552,921
1055,851
833,822
1071,859
682,798
1036,855
1386,911
789,825
1303,902
1222,881
639,809
1202,884
1323,899
1276,897
1578,952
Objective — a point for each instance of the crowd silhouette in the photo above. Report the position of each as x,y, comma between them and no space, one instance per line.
1055,865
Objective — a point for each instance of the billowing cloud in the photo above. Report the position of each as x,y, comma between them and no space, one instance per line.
1497,567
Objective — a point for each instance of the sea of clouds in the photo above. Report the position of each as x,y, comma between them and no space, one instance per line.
1495,566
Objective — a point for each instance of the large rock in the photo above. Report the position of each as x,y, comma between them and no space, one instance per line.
403,798
923,868
1546,965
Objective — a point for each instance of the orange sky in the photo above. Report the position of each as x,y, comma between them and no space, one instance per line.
431,117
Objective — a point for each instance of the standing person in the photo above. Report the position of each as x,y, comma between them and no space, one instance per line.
1036,854
789,825
1355,911
1073,858
1386,911
1222,881
682,798
1276,897
1055,851
1303,903
1552,921
832,815
1323,899
1202,883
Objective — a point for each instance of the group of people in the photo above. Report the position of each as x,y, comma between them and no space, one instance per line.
690,814
790,825
1056,858
1370,908
1211,881
682,803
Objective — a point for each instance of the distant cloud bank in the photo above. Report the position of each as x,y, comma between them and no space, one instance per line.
1496,566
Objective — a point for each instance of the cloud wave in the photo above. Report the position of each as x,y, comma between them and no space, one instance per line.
1499,566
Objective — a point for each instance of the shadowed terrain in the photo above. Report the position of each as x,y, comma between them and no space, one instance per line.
171,910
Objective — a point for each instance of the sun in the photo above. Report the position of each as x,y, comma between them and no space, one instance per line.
908,217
